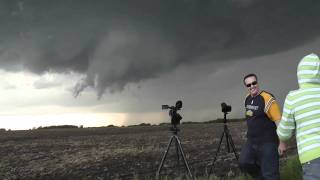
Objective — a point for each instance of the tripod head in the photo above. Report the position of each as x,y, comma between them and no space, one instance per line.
225,109
175,116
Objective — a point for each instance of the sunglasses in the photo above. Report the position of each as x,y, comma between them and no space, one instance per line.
252,84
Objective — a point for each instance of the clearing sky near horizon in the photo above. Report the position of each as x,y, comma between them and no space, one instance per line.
96,63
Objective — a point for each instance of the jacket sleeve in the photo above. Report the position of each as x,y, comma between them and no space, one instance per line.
271,108
273,111
287,123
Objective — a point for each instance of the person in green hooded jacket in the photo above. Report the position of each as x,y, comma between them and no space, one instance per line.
301,114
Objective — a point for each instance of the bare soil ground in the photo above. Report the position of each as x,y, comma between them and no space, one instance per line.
115,152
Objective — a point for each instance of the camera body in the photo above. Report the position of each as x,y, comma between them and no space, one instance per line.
175,116
225,108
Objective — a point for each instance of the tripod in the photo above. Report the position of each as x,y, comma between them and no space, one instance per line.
179,151
229,142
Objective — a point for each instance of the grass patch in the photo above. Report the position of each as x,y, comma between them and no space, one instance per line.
291,170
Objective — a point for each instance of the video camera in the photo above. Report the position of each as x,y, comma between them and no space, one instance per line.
225,108
175,117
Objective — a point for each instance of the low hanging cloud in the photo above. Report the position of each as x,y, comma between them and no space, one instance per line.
114,43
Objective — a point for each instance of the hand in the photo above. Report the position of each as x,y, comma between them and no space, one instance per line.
282,148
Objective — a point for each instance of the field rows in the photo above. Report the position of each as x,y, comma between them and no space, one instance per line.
103,153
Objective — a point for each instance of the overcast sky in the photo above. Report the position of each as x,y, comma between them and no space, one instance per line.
95,63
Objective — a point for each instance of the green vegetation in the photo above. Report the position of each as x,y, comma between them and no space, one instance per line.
292,169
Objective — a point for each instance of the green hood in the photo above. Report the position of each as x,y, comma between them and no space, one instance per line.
309,71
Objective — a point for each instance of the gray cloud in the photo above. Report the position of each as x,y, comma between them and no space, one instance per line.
119,42
44,84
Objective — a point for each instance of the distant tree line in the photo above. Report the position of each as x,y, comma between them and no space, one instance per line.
212,121
141,124
222,120
60,127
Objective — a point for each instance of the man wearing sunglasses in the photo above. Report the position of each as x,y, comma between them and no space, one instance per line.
260,155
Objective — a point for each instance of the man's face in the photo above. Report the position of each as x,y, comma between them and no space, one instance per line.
252,85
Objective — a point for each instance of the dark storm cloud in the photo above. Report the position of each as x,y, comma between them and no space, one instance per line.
119,42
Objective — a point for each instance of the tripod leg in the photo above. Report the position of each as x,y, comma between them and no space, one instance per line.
228,142
177,153
215,156
232,146
184,157
226,130
164,156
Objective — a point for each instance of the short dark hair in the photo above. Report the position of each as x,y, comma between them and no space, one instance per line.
249,75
